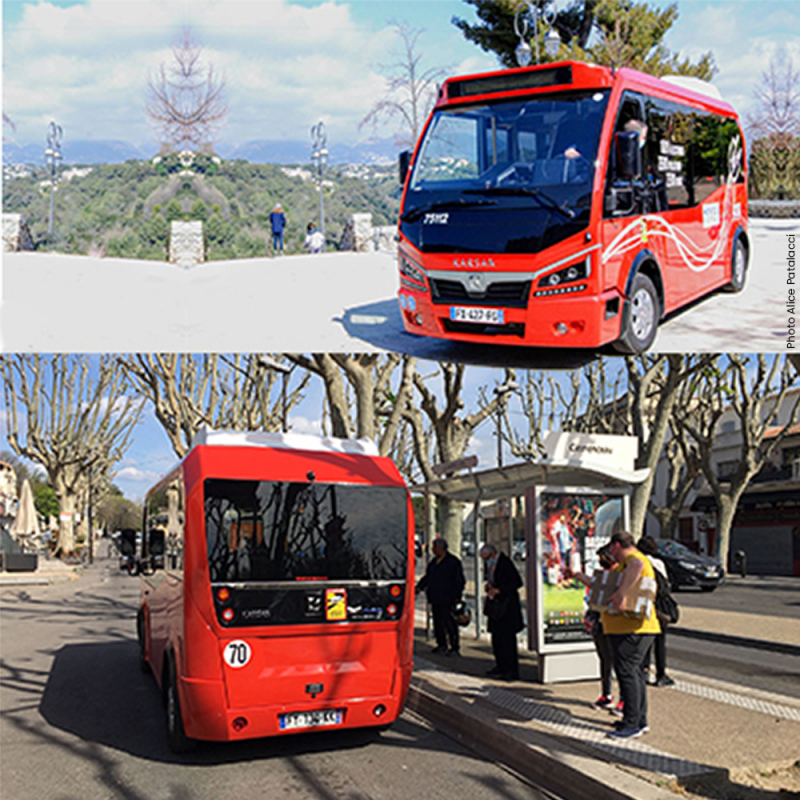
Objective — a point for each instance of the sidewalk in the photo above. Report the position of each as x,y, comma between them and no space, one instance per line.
708,740
51,570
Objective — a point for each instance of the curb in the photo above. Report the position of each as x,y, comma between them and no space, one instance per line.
548,761
739,641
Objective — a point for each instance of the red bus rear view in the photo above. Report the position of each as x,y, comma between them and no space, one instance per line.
570,205
277,587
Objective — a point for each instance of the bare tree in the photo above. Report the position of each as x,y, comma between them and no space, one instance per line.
63,417
240,392
637,402
775,130
757,403
186,99
361,400
410,90
778,97
447,433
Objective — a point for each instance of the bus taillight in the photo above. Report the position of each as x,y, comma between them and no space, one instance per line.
396,591
227,614
223,595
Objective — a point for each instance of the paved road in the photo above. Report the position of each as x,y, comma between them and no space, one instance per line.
78,721
771,596
336,302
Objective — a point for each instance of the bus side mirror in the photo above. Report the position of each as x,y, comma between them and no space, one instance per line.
404,161
629,156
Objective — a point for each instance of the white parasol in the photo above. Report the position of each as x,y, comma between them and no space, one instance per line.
26,526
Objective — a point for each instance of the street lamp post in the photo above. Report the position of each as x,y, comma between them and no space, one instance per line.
52,157
552,41
319,160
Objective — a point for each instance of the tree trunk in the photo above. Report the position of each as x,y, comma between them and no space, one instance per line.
726,511
67,504
451,518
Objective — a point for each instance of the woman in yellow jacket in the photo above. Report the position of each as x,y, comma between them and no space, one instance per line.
631,637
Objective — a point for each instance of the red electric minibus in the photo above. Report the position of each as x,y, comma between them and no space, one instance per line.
569,205
277,587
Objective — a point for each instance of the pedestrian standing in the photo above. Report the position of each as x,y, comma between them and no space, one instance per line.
278,222
444,583
648,546
602,644
503,610
315,241
631,637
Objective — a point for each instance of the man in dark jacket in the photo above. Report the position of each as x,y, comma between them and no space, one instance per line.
503,611
444,584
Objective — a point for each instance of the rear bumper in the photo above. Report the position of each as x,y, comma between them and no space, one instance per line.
559,321
206,714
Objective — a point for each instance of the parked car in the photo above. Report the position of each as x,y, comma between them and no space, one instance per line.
467,548
518,551
686,568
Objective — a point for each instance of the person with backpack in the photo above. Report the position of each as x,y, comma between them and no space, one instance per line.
666,611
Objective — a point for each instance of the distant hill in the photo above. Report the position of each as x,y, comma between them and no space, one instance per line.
124,209
269,151
80,151
261,151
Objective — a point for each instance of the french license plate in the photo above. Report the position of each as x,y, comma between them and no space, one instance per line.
486,316
310,719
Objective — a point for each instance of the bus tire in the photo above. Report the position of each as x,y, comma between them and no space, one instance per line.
144,665
177,739
739,256
639,317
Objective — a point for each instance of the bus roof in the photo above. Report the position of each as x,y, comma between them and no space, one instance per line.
290,441
509,83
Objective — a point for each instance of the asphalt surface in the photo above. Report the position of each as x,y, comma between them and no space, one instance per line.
707,731
336,302
79,721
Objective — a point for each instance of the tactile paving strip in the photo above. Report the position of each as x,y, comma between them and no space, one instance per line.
740,700
634,752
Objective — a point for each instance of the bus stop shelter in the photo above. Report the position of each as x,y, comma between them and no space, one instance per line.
572,468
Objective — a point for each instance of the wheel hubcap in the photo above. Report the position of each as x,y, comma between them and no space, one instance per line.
738,266
643,314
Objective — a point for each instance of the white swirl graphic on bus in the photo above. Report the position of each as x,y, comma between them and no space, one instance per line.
695,257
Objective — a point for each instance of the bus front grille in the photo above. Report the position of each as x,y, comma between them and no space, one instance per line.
506,294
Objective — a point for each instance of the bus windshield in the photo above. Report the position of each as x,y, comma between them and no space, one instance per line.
505,177
276,531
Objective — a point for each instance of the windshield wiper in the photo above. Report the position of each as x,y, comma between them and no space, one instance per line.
525,191
418,211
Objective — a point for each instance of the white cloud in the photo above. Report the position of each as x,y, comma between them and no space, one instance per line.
286,66
299,424
135,475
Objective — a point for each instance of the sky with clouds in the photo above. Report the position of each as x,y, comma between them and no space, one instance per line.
85,63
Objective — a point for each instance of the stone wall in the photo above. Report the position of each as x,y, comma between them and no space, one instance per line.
361,237
16,235
186,246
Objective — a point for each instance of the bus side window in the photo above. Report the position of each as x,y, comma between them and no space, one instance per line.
163,543
668,145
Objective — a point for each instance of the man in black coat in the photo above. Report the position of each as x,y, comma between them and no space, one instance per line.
444,584
503,611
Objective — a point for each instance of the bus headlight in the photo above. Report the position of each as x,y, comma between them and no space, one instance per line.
411,271
574,272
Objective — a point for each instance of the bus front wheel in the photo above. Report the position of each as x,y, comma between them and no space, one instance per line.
639,317
177,739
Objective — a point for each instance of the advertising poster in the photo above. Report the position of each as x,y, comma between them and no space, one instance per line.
571,525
